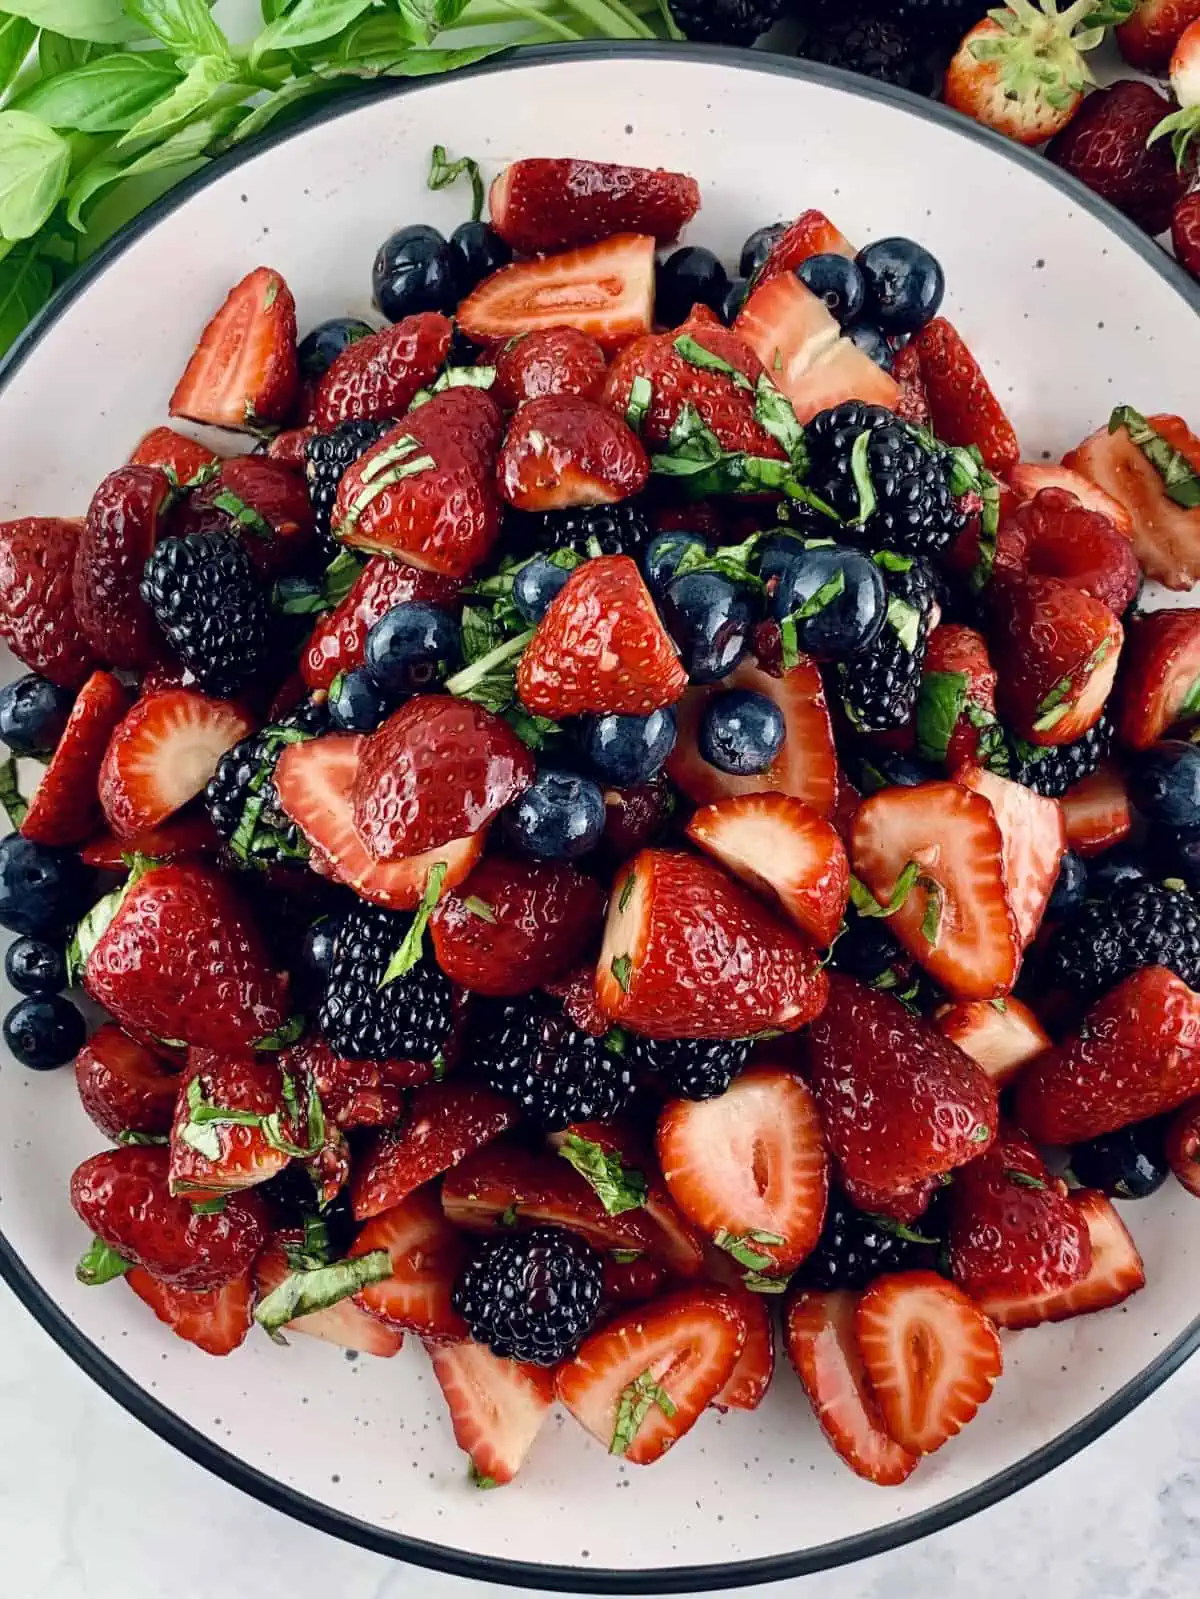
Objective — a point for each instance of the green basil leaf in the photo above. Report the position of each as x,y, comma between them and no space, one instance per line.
105,96
293,93
34,162
100,1264
57,53
16,40
433,15
427,63
309,22
26,283
939,706
185,148
184,26
101,21
211,82
376,41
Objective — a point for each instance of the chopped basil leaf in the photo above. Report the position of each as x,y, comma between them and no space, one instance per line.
100,1264
940,704
409,953
618,1187
443,171
738,1245
621,967
302,1292
641,396
481,908
634,1406
1022,1179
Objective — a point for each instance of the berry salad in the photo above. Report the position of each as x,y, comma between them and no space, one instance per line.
614,818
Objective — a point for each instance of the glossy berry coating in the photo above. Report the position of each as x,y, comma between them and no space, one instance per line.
880,687
626,750
44,1031
316,947
320,347
872,767
1051,769
836,280
1139,924
535,584
590,530
327,456
33,713
842,589
1070,886
741,732
689,1068
710,618
356,702
530,1296
412,648
866,950
904,284
735,299
210,603
558,818
529,1049
1164,783
1114,867
855,1248
873,342
1181,853
241,798
758,247
691,276
476,251
41,889
363,1018
34,966
664,553
1128,1164
413,271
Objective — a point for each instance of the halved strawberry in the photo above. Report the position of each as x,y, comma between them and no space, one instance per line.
288,448
563,451
823,1349
1160,680
65,806
123,1085
497,1406
646,1378
1097,811
184,460
963,406
812,233
1183,1145
445,1123
1002,1035
340,636
212,1158
344,1323
179,835
426,1253
1028,478
781,847
751,1377
632,1282
264,502
541,204
605,290
162,754
1057,651
750,1168
1034,838
931,1355
214,1319
377,377
244,372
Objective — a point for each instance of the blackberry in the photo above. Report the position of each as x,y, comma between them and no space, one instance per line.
938,25
619,529
406,1019
209,602
1139,924
855,1248
866,950
328,1230
1053,769
326,457
529,1049
879,689
878,47
240,797
725,21
530,1296
691,1068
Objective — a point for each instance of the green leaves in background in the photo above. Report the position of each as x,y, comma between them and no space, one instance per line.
16,40
34,162
186,27
108,95
25,285
101,21
308,22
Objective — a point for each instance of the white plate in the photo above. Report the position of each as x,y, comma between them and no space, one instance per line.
1071,311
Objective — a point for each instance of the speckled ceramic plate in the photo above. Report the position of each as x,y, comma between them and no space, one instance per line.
1071,311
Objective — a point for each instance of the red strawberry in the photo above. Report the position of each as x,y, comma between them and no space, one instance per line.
632,1282
931,1356
1057,651
539,204
913,402
750,1169
577,990
1024,79
243,373
124,1086
1097,812
956,711
426,1254
1001,1035
515,925
563,451
180,959
1034,839
123,525
162,754
265,503
339,638
904,1205
1060,538
180,835
215,1319
1160,683
497,1407
1185,232
899,1103
37,605
65,806
688,953
823,1349
184,460
1136,1055
812,233
782,848
209,1159
635,817
605,290
357,1093
1116,1272
1183,1145
1027,480
378,376
751,1377
343,1323
288,447
1152,32
426,492
1106,147
123,1197
554,361
600,648
953,913
445,1123
646,1378
962,403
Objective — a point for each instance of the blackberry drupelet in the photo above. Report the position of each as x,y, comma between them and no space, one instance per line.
529,1049
209,602
1139,924
692,1068
725,21
619,529
882,47
530,1296
1053,769
326,457
855,1248
406,1019
240,797
879,689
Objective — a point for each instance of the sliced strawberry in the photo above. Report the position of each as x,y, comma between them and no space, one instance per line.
956,709
1160,680
124,1086
632,1282
751,1377
264,502
645,1379
963,405
605,290
1057,651
1028,478
563,451
445,1123
540,204
555,361
37,602
179,835
913,402
65,806
1034,837
344,1323
1055,535
366,1093
340,636
214,1319
162,754
244,372
426,1253
812,233
1002,1035
1097,811
1183,1145
123,525
377,377
185,461
212,1158
497,1407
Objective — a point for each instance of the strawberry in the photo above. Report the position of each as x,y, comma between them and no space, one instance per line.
632,1282
1001,1035
1150,35
497,1407
174,954
1027,479
1023,75
1185,232
553,361
605,290
123,524
823,1350
903,1205
343,1323
426,491
956,710
563,451
1097,811
646,1378
212,1158
1183,1145
750,1169
751,1376
265,503
123,1197
898,1102
378,376
538,205
600,648
688,953
1136,1055
185,461
931,1356
180,835
1152,466
315,783
215,1319
516,925
635,817
1116,1272
124,1086
1107,148
1057,651
1160,683
937,851
445,1123
812,233
65,806
912,404
244,373
962,403
782,848
339,639
288,448
357,1093
426,1254
162,754
1054,535
1034,839
37,604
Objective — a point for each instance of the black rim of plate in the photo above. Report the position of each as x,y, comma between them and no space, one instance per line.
582,1579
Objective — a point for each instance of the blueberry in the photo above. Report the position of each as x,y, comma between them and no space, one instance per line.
414,271
664,553
842,589
535,584
735,299
560,817
741,732
836,280
905,284
758,247
1116,866
626,750
41,889
692,276
710,618
316,947
1180,855
1070,886
412,648
871,341
1164,784
33,713
356,702
320,349
477,251
1128,1164
866,949
44,1031
873,767
34,966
